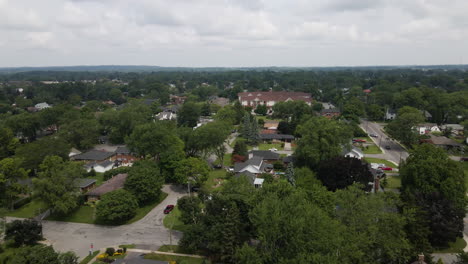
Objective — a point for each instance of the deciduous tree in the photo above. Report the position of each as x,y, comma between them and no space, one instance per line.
144,181
116,207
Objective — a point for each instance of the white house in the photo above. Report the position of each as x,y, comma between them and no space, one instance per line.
166,116
104,166
427,128
353,153
390,114
41,106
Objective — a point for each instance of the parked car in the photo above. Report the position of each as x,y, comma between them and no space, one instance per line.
373,135
168,209
273,149
386,168
358,140
387,147
464,159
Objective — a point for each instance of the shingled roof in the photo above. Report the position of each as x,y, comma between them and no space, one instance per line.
114,183
266,154
276,136
93,155
275,96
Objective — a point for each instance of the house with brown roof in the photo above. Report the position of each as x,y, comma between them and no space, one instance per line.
114,183
270,98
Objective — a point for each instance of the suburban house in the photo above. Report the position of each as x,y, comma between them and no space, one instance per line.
276,138
390,114
456,129
41,106
270,98
427,128
178,99
267,155
353,152
255,165
166,116
102,166
256,182
221,101
271,125
114,183
93,156
124,156
73,152
330,113
85,184
442,142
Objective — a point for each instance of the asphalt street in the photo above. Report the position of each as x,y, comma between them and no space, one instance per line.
148,232
396,153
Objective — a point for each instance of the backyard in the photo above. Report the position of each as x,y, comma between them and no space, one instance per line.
371,149
215,180
386,162
172,220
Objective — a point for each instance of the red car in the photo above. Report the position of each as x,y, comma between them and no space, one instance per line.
385,168
169,208
359,140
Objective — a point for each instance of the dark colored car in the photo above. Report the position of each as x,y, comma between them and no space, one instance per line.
464,159
373,135
387,147
169,208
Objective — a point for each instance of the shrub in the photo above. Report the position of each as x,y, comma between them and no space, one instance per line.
112,173
116,207
110,251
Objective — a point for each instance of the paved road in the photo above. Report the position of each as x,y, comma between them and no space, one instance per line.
149,232
396,151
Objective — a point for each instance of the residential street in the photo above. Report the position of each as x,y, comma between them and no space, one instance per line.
394,154
147,233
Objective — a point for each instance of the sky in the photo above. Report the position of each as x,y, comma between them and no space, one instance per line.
233,33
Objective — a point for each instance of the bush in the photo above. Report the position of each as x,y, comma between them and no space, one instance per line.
116,207
23,232
110,251
278,165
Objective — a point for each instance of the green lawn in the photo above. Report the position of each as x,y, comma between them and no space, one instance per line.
371,149
386,162
142,211
178,259
394,182
173,219
89,257
454,247
99,178
465,169
29,210
226,161
214,174
265,146
367,139
172,248
84,214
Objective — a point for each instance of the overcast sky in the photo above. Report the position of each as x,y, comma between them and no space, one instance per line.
204,33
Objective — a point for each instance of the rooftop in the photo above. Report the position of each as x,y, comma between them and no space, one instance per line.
276,96
266,154
84,182
114,183
93,155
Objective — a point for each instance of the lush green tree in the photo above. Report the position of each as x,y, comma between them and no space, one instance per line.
261,110
291,110
434,185
227,114
81,133
285,127
290,174
68,258
47,146
23,232
193,170
375,112
240,148
353,109
144,181
116,207
8,143
24,125
56,184
190,209
10,174
373,221
188,114
39,254
403,127
206,109
341,172
322,139
462,258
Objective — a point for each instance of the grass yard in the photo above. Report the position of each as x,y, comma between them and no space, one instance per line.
89,257
265,146
386,162
178,259
99,178
454,247
210,183
172,248
173,219
465,169
226,161
142,211
394,182
84,214
367,139
29,210
371,149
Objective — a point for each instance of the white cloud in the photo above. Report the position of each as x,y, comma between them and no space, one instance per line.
232,32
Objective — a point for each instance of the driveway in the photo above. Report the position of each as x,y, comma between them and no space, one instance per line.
396,153
148,232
